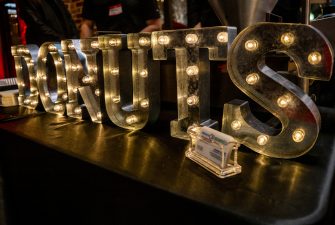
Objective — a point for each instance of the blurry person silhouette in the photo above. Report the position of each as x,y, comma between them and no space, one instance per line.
125,16
46,20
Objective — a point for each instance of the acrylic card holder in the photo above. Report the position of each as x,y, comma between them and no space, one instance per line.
213,150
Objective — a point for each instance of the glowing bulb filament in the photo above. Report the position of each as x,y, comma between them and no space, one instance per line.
222,37
287,39
191,38
143,41
262,139
252,78
298,135
192,70
283,101
131,119
144,103
314,58
236,125
163,40
251,45
192,100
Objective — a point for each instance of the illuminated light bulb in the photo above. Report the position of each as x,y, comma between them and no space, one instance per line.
44,59
262,139
75,67
87,79
251,45
27,101
163,40
144,103
114,42
222,37
191,38
192,70
131,119
34,102
75,90
64,96
143,73
52,47
71,46
22,84
192,100
116,99
58,107
95,44
236,125
97,92
314,58
287,39
252,78
18,67
114,71
298,135
283,101
77,110
99,115
94,69
64,79
143,41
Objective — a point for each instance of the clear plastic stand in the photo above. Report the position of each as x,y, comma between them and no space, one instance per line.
212,150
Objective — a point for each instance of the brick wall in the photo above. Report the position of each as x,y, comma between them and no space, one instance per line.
75,8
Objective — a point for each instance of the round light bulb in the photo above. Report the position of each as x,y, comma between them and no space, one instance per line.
251,45
287,39
283,101
87,79
58,107
65,96
95,44
114,42
192,70
222,37
236,125
252,78
143,41
77,110
144,103
191,38
34,102
99,115
131,119
97,92
192,100
298,135
143,73
163,40
44,59
27,101
71,46
262,139
314,58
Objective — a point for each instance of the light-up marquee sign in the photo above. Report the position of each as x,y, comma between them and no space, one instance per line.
297,113
93,80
